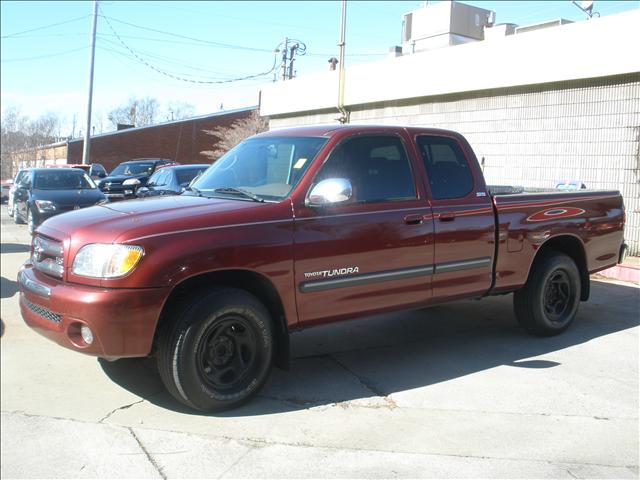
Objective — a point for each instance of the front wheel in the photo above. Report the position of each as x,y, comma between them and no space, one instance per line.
217,353
17,218
548,303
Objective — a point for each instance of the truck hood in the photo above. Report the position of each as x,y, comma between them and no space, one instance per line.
134,219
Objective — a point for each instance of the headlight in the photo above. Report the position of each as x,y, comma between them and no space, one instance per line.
106,260
45,206
131,181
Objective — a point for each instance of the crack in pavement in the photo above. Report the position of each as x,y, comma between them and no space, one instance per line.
571,473
147,454
253,442
124,407
368,384
241,457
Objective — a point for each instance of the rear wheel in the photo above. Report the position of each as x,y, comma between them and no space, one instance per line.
548,303
30,222
218,353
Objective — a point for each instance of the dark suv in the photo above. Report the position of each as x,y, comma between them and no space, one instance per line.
127,177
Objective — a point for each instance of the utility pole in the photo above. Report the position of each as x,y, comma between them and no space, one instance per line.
87,132
344,115
284,58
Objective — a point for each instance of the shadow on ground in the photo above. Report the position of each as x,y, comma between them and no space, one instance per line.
382,355
14,248
8,288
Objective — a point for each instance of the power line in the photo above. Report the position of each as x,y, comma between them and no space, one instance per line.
6,60
177,77
199,40
45,26
217,44
171,60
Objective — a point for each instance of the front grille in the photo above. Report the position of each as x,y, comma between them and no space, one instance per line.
48,256
112,187
42,312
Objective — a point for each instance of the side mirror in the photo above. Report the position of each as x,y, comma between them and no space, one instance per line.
330,192
102,174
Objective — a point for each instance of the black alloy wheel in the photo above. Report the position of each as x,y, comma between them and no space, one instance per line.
226,352
557,296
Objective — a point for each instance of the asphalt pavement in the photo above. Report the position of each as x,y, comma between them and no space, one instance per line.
454,391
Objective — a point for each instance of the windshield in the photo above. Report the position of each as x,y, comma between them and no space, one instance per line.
71,179
185,176
267,167
130,169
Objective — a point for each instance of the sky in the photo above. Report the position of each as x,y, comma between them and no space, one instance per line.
166,49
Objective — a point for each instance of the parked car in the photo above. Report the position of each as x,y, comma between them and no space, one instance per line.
45,192
300,227
95,170
6,187
171,180
123,182
10,202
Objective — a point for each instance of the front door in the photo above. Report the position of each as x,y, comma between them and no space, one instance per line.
373,252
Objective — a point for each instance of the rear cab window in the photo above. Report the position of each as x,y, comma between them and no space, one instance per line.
447,168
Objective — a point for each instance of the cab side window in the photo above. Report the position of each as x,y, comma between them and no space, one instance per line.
377,167
447,168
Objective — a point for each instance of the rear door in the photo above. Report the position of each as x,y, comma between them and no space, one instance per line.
374,252
463,218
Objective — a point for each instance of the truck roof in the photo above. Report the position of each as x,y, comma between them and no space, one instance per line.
329,130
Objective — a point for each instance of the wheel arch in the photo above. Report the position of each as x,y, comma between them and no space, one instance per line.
573,247
252,282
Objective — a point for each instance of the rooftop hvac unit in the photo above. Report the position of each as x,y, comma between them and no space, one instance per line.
444,24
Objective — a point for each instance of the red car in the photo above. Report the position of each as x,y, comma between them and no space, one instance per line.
298,227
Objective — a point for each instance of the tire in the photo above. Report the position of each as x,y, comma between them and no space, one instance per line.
548,303
17,218
30,223
218,352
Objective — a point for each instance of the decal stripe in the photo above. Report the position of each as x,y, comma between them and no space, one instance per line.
463,265
369,278
365,279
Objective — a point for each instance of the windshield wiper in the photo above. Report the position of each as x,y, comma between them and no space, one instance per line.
193,189
244,193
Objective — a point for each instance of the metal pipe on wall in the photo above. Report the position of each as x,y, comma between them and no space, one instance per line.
344,114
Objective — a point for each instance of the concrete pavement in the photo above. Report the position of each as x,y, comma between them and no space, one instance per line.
452,391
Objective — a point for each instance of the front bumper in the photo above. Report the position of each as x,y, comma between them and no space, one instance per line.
122,321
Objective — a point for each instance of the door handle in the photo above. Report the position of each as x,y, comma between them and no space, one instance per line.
447,217
415,219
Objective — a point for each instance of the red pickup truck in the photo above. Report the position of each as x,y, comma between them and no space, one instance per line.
303,226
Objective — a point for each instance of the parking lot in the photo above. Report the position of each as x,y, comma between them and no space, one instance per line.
453,391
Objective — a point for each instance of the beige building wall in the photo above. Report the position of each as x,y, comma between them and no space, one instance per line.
533,136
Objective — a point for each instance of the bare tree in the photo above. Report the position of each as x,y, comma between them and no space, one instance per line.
21,137
177,110
137,111
229,137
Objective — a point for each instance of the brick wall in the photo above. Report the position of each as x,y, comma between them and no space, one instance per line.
535,135
181,141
